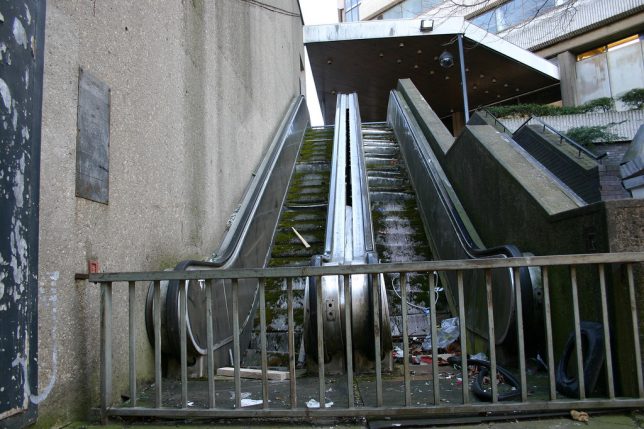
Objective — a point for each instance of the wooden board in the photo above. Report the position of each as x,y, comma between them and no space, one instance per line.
229,371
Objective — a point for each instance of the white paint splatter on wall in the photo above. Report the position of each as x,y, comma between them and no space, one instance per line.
21,360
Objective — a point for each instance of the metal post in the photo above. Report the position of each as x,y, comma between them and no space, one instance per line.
403,296
209,339
348,341
106,352
183,311
434,332
461,60
262,338
156,306
291,344
577,321
132,349
236,344
462,324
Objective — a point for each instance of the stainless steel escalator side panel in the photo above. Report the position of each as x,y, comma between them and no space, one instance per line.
348,240
451,234
363,249
246,244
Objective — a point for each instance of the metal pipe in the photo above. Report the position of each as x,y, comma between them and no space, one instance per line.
158,402
520,337
183,303
491,335
348,340
405,333
607,348
462,326
461,58
636,331
209,341
236,345
132,348
291,344
434,331
548,322
376,337
576,321
262,338
106,345
320,338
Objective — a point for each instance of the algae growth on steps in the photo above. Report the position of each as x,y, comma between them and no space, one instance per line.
305,210
399,231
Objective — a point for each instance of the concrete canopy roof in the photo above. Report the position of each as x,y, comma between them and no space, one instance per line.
370,57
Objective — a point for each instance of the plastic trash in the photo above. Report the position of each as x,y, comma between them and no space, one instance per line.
398,353
250,402
312,403
447,334
479,356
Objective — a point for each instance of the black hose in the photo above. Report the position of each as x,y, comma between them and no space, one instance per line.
484,370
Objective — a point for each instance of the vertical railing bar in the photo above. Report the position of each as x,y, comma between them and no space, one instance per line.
491,335
548,322
516,273
403,295
262,337
576,321
132,332
462,326
607,348
434,332
348,335
636,331
236,345
209,343
375,284
106,345
158,401
320,340
291,343
183,302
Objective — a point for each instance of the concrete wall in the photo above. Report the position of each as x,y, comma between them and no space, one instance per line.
197,90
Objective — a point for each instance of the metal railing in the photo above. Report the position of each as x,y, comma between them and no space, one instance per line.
563,138
183,407
496,120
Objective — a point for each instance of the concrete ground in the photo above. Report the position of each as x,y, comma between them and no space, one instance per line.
605,421
365,396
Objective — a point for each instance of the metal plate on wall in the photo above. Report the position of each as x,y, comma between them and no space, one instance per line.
93,140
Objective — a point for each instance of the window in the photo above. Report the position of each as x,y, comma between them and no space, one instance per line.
512,13
352,10
622,43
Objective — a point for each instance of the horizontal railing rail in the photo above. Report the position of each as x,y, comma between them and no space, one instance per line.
564,138
333,395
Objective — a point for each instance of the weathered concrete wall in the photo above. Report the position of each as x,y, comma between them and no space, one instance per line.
197,90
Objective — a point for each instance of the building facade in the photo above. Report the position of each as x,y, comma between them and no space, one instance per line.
598,44
183,99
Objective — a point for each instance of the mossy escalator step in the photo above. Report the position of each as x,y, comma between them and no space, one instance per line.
399,231
305,210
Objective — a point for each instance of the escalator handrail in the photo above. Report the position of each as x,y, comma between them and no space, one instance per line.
335,221
233,239
472,248
363,240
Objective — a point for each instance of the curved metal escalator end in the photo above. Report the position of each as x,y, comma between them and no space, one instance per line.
291,129
362,338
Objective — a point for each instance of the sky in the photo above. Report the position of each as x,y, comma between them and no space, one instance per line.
316,12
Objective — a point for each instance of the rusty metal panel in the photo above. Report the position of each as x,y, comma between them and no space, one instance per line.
22,26
93,140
